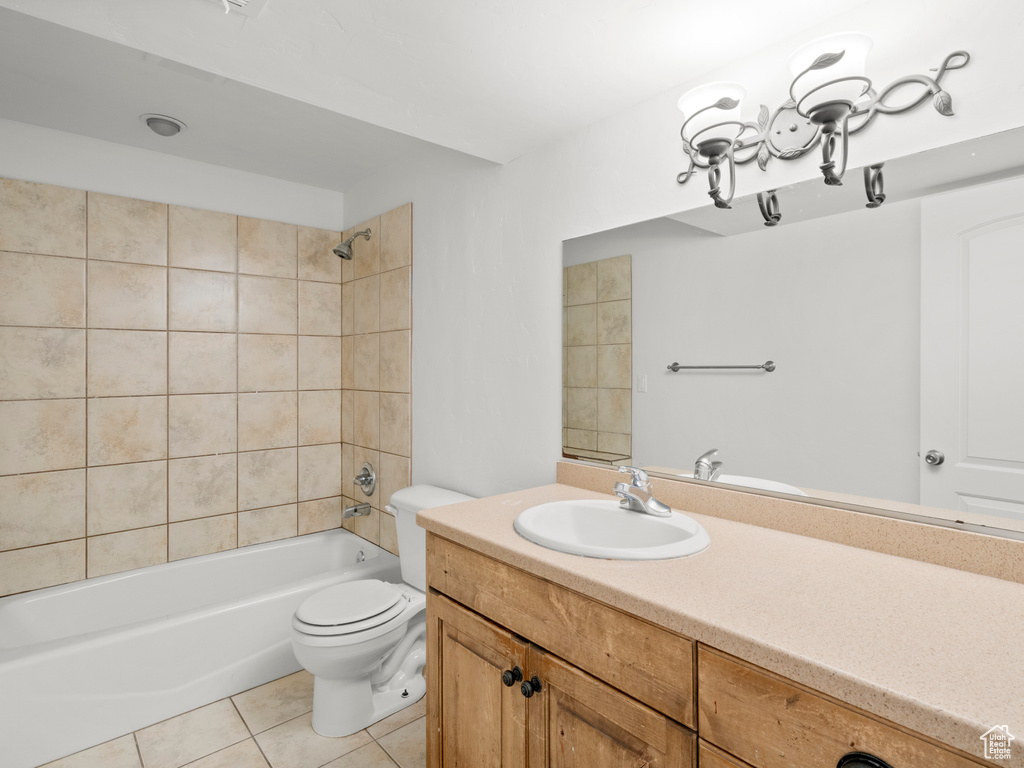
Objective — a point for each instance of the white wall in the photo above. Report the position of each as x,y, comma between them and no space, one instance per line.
834,302
46,156
487,241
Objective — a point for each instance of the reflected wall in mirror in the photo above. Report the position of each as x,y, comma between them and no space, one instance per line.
895,331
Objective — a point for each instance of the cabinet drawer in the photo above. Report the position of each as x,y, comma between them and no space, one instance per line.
769,722
649,663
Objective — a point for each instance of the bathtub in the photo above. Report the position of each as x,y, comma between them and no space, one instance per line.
86,662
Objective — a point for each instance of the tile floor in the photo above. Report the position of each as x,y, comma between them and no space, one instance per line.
265,727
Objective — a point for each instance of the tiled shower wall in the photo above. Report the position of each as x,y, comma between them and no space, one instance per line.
175,382
597,338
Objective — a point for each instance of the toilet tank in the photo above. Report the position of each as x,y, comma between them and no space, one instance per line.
412,540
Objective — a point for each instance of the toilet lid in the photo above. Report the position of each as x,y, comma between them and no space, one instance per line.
358,604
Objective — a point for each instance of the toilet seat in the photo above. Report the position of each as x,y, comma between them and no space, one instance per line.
350,607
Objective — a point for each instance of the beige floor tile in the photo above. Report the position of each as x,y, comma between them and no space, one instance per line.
276,702
399,719
244,754
408,745
295,744
119,753
370,756
185,738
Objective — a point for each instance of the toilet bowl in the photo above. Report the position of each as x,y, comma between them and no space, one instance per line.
364,642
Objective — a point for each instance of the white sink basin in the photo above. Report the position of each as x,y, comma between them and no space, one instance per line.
595,528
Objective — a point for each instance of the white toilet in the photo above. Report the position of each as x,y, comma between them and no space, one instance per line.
365,641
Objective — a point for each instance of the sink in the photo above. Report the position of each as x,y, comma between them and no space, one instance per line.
598,528
757,483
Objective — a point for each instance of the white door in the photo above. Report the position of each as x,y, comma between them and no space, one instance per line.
972,353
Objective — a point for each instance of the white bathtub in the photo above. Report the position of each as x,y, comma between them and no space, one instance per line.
86,662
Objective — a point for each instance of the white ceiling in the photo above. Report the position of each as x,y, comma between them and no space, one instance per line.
326,92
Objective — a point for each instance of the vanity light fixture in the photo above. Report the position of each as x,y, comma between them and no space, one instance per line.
830,99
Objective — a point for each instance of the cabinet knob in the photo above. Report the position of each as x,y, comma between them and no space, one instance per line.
511,676
530,687
861,760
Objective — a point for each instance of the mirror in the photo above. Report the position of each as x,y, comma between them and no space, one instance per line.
833,296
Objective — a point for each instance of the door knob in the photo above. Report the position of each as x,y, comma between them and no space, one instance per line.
530,687
511,676
934,458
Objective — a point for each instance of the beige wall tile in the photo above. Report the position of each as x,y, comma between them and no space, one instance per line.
38,363
267,420
267,248
259,525
319,471
614,367
396,238
388,533
366,253
393,476
41,435
190,736
366,419
201,487
127,296
267,478
582,325
267,305
366,303
40,218
42,290
395,361
319,515
202,363
348,470
319,362
127,363
316,257
38,567
320,417
582,408
582,366
202,536
347,270
395,420
348,364
267,363
581,438
614,278
202,239
348,311
614,323
126,429
614,410
610,442
117,552
202,301
127,496
202,424
396,300
366,361
119,753
41,508
348,424
124,229
319,309
581,284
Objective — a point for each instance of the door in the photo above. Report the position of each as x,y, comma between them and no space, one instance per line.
972,353
576,721
475,719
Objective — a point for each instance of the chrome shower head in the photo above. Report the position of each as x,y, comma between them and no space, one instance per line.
344,250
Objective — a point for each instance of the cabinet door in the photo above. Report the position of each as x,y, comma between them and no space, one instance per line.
473,719
576,721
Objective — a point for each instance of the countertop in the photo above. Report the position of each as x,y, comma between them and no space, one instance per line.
937,650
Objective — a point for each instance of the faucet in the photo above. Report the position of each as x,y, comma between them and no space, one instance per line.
357,510
705,469
637,497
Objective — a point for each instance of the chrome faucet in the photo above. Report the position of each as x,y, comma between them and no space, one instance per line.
705,468
636,496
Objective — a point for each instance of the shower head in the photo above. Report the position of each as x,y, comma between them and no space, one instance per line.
344,250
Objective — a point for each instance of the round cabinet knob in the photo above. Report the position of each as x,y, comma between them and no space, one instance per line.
861,760
511,676
530,687
934,458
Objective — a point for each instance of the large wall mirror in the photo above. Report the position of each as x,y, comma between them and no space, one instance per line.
895,332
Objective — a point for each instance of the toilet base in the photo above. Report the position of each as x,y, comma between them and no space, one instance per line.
343,707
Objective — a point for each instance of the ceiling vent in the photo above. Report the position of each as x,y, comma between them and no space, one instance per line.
250,8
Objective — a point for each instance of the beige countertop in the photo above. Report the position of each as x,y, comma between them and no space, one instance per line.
938,650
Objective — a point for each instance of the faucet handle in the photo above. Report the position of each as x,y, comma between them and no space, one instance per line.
707,455
640,479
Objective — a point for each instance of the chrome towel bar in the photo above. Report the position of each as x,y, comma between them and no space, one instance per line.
768,367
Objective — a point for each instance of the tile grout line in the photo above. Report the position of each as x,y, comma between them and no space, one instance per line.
85,532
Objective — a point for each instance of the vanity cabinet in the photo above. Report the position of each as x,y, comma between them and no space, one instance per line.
599,681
